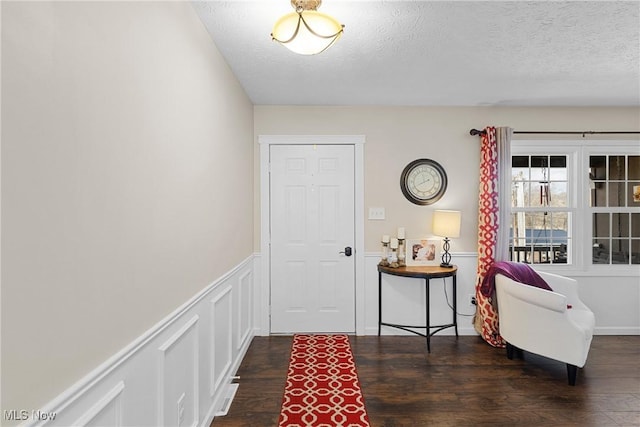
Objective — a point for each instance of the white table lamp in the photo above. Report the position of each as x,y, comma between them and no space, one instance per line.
446,224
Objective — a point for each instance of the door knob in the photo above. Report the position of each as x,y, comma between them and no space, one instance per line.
347,251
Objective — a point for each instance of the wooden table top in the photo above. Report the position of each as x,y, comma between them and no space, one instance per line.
420,271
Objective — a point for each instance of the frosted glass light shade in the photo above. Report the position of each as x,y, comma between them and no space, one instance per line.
446,223
308,32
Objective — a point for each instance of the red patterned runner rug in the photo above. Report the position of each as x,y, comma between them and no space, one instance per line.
322,386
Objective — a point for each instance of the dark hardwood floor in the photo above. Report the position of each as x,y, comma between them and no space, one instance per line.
463,382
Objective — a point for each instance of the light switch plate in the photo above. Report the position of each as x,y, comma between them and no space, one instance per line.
376,213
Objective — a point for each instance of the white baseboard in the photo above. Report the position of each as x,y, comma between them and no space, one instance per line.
232,389
144,383
631,330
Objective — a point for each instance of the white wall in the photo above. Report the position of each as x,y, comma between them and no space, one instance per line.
123,192
397,135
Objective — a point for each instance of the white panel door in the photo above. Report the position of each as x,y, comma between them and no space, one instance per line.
312,223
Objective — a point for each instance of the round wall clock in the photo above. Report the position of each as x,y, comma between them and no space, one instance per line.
423,181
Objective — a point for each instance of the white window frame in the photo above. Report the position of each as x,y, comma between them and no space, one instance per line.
553,148
612,149
580,227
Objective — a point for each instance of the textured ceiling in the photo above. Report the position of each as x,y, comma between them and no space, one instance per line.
439,53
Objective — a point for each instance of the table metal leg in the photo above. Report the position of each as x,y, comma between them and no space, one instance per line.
379,302
428,334
455,305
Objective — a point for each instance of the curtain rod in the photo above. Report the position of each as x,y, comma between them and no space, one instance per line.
552,132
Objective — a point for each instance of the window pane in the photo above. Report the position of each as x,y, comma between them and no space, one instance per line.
560,227
540,194
520,174
518,229
600,251
599,194
558,196
560,255
558,161
617,167
616,194
635,225
520,195
633,194
539,228
634,167
539,238
521,162
559,168
620,225
601,225
518,191
560,237
619,251
598,167
635,252
517,243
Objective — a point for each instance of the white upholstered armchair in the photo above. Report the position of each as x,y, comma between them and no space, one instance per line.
554,324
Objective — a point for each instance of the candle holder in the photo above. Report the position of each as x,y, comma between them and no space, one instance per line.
401,253
385,248
393,258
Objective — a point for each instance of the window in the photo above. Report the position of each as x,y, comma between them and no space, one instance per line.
540,217
575,203
614,183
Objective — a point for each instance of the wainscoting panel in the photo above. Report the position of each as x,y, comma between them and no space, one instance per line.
178,377
178,373
106,412
244,309
221,341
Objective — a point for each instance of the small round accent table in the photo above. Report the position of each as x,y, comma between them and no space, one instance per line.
426,273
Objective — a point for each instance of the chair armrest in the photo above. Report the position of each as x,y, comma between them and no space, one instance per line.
533,295
560,284
565,286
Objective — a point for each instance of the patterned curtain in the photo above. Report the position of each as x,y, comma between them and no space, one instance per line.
493,223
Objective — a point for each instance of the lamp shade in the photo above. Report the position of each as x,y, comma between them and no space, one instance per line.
308,32
446,223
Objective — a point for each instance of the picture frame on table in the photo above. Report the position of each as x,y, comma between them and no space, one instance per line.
422,252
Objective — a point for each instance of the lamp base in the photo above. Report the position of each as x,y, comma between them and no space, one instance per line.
446,256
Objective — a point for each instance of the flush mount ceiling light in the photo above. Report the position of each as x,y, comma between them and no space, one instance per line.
307,31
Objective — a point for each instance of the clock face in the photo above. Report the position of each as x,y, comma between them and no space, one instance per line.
423,181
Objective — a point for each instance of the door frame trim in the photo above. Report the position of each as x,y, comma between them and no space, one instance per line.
265,142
